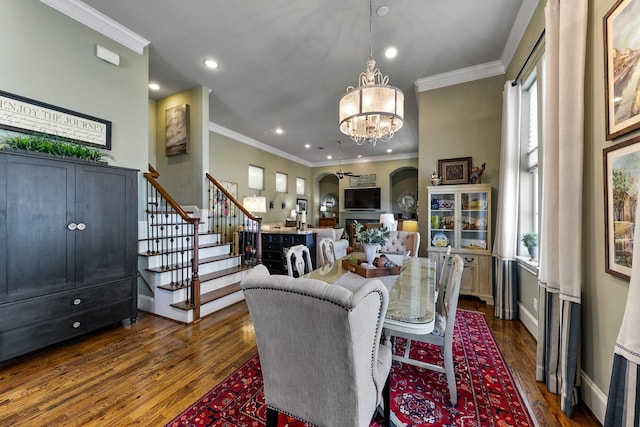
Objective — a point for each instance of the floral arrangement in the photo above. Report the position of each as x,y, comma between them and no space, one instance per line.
371,235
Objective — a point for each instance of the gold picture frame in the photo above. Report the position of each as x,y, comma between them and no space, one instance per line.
622,106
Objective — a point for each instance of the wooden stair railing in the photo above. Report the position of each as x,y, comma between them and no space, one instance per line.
233,223
173,234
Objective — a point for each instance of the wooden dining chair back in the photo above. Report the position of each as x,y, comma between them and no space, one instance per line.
298,261
442,334
327,250
443,280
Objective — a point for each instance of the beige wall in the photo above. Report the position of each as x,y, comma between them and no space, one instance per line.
182,175
49,57
463,120
229,160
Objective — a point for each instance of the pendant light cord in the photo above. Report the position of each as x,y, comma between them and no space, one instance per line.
370,29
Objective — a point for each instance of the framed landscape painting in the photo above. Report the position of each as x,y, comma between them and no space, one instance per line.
621,179
622,67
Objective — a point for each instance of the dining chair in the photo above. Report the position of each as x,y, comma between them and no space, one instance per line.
442,335
442,281
327,250
320,346
298,259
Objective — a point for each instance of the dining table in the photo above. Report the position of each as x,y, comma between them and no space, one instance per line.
412,293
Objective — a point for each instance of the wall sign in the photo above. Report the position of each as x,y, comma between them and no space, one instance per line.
26,115
363,180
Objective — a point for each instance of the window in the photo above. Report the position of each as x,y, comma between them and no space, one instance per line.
281,182
300,186
256,178
530,108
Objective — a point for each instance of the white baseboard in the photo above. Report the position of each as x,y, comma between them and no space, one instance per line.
593,397
528,320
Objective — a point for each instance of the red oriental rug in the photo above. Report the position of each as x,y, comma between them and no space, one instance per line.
487,393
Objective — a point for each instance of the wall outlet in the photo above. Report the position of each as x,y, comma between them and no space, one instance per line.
535,304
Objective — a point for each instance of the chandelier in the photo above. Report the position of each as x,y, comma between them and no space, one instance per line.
373,111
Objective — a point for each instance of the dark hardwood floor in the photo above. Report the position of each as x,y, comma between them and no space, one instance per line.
147,373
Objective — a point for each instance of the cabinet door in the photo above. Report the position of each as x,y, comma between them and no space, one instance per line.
36,205
442,226
474,218
106,206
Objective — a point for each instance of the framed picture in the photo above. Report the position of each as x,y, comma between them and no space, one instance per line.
621,31
455,171
177,130
621,179
302,204
221,205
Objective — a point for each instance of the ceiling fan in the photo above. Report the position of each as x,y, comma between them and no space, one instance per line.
341,174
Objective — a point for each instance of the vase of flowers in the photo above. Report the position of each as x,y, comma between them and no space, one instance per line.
371,239
530,241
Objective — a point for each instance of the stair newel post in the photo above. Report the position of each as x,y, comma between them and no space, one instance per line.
259,242
195,279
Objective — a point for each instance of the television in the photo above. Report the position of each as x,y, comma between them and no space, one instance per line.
362,198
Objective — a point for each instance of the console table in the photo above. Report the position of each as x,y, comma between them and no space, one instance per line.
275,245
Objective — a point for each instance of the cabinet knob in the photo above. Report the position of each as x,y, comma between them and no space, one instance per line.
77,301
76,325
468,259
72,226
81,226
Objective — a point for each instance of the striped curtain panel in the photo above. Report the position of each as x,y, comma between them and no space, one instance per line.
560,276
505,278
623,403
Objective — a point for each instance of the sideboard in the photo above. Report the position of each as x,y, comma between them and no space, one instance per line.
275,245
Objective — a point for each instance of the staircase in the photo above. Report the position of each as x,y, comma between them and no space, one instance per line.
167,271
189,261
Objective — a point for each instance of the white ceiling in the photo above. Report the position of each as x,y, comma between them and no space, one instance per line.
286,63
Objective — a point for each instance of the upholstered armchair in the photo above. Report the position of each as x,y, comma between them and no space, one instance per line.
320,348
402,241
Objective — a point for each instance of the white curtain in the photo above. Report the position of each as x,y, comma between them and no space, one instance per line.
560,277
505,284
623,403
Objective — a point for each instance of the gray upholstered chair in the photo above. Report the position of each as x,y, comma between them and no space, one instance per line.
320,348
298,260
442,335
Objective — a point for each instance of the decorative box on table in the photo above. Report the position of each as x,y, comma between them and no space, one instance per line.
353,265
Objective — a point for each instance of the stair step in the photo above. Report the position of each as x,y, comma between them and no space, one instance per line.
142,239
207,277
210,296
207,245
202,261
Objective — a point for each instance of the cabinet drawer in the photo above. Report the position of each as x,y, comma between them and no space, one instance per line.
31,337
44,308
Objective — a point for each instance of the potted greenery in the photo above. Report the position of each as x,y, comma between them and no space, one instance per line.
530,241
371,239
52,145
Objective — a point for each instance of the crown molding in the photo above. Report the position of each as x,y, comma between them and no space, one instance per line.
214,127
463,75
79,11
525,13
368,159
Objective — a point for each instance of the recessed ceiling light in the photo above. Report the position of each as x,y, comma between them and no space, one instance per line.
359,155
210,63
307,146
154,86
389,150
391,52
382,10
329,157
279,131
